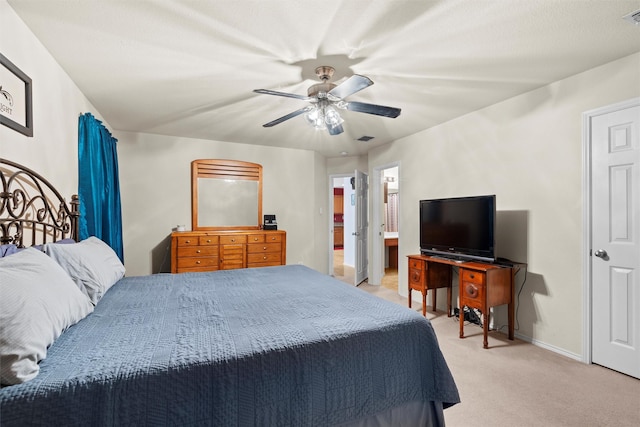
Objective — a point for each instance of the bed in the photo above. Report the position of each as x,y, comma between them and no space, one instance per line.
271,346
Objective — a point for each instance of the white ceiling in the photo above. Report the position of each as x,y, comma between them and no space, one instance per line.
187,68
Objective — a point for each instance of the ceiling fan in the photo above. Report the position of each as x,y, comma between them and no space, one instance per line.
325,97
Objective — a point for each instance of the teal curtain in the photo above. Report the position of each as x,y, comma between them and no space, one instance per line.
99,186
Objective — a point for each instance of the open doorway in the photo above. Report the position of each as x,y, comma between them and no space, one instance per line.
386,229
391,202
343,226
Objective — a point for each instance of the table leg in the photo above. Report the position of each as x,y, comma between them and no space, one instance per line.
433,299
510,319
449,301
461,313
511,305
424,302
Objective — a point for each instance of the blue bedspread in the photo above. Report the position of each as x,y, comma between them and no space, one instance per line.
276,346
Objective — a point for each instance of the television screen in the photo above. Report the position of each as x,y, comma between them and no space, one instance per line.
459,228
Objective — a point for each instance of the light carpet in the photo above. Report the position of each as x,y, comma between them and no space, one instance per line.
514,383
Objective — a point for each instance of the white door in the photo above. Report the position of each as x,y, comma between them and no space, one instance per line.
362,227
615,238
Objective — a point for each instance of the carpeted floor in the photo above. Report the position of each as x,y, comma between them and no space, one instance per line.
514,383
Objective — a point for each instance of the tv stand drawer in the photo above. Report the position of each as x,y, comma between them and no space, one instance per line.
473,276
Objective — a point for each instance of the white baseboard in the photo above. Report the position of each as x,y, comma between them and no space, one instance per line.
550,347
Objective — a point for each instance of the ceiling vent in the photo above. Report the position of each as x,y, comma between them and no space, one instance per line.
633,17
365,138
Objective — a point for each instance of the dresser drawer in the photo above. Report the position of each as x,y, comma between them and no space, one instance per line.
234,239
272,238
188,241
208,240
272,258
197,251
255,238
203,264
265,247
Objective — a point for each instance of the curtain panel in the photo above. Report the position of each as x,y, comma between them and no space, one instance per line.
98,184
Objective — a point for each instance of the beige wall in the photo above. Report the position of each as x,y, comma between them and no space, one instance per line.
156,195
528,151
57,103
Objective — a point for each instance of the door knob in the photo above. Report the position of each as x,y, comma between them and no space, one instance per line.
601,253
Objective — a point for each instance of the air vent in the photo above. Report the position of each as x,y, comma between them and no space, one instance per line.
365,138
633,17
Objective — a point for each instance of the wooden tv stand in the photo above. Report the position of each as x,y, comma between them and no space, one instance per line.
482,286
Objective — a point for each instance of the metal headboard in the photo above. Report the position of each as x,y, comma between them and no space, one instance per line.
32,211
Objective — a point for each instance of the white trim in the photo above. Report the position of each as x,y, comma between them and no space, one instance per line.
550,347
587,117
376,261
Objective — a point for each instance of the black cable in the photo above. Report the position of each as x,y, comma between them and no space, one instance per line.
518,298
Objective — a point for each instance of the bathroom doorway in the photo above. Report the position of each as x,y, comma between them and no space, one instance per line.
391,202
385,225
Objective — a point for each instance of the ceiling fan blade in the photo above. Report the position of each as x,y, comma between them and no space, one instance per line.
350,86
287,117
378,110
288,95
336,130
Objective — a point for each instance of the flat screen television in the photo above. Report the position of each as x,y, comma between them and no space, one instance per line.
462,228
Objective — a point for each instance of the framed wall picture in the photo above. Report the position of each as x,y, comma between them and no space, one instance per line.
15,98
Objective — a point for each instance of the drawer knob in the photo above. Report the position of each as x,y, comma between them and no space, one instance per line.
473,276
197,262
255,239
233,240
187,241
264,257
471,291
208,240
264,248
273,238
198,251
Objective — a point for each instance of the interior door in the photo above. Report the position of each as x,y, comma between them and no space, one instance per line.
615,260
362,227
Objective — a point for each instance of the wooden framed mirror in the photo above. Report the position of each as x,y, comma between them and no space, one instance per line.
226,195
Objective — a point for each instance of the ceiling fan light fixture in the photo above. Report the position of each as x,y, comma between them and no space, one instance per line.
315,118
332,117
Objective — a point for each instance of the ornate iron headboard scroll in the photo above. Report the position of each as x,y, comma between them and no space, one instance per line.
32,211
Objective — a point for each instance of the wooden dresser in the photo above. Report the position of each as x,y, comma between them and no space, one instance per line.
226,250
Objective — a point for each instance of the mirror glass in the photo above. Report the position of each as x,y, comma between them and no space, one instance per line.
227,202
225,195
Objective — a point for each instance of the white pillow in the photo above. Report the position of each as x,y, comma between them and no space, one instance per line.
91,263
38,302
